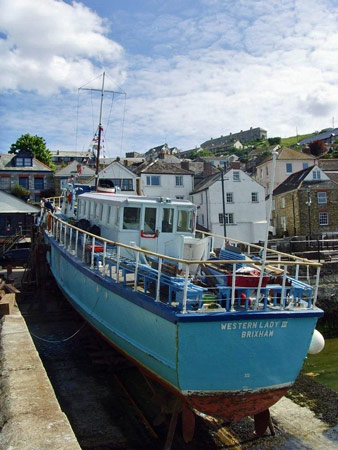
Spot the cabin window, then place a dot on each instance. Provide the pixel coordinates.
(108, 214)
(184, 221)
(167, 220)
(131, 218)
(100, 212)
(150, 220)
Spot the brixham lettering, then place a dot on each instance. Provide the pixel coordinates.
(257, 329)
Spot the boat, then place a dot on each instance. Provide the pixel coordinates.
(225, 331)
(227, 348)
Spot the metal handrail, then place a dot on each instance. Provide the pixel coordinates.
(59, 229)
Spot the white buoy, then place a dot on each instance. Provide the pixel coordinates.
(317, 343)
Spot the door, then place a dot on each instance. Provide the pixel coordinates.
(149, 230)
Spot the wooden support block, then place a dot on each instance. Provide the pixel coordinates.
(7, 304)
(11, 289)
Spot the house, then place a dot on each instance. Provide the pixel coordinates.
(256, 156)
(330, 167)
(220, 162)
(233, 139)
(22, 169)
(306, 204)
(74, 170)
(60, 157)
(164, 179)
(120, 176)
(243, 202)
(288, 161)
(163, 149)
(328, 136)
(15, 215)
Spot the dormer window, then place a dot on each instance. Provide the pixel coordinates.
(316, 174)
(23, 161)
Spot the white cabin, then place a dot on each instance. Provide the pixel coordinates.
(157, 224)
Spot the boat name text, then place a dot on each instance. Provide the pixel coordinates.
(258, 329)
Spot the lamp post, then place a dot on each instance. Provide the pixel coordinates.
(308, 203)
(223, 203)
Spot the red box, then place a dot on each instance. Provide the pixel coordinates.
(248, 280)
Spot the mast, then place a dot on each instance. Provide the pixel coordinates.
(100, 123)
(99, 136)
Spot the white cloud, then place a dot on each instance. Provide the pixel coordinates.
(50, 45)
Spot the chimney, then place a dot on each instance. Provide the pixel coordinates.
(235, 165)
(125, 162)
(185, 165)
(207, 169)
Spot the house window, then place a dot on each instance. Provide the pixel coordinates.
(5, 182)
(235, 175)
(24, 182)
(131, 218)
(179, 180)
(322, 198)
(179, 197)
(254, 197)
(267, 170)
(220, 218)
(23, 162)
(229, 218)
(127, 184)
(201, 198)
(229, 197)
(323, 218)
(288, 168)
(153, 180)
(38, 183)
(316, 174)
(305, 165)
(283, 223)
(282, 202)
(202, 219)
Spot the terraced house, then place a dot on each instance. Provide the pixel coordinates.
(25, 171)
(306, 204)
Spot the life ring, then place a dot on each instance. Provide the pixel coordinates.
(149, 235)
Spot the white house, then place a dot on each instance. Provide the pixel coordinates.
(120, 175)
(288, 161)
(163, 179)
(244, 203)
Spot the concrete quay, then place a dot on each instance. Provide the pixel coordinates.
(30, 415)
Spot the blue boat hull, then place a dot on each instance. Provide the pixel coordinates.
(224, 364)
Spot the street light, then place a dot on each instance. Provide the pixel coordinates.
(308, 203)
(223, 202)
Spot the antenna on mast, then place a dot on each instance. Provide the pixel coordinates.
(100, 123)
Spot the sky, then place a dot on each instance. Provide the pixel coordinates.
(177, 72)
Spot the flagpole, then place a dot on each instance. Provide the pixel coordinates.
(99, 136)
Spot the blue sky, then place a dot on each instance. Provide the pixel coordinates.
(191, 70)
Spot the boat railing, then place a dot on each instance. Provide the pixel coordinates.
(216, 286)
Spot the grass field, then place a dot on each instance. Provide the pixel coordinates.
(324, 366)
(292, 140)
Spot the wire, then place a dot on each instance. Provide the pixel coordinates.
(123, 119)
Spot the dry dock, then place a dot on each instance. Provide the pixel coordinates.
(65, 388)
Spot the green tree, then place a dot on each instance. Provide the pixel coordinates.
(35, 145)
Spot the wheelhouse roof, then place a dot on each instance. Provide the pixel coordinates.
(121, 199)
